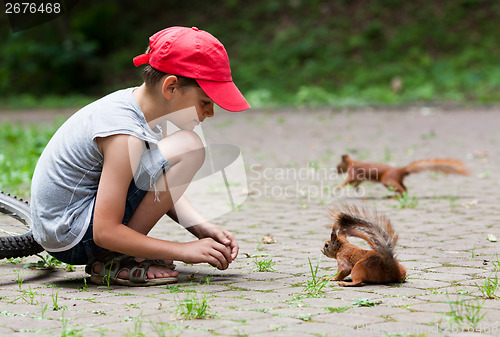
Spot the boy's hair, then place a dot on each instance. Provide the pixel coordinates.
(152, 76)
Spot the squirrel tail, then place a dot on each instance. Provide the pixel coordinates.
(442, 165)
(374, 228)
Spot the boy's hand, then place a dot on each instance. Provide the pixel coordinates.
(210, 230)
(207, 250)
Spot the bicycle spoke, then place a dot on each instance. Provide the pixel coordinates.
(8, 232)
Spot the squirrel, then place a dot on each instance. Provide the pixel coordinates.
(365, 266)
(392, 177)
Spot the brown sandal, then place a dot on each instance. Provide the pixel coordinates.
(113, 263)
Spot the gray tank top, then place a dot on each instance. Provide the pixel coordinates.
(66, 177)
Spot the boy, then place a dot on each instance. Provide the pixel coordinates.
(109, 174)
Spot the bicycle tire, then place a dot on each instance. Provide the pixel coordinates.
(23, 244)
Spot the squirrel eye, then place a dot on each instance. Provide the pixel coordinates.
(326, 245)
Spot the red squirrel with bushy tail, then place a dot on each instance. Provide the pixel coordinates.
(392, 177)
(365, 266)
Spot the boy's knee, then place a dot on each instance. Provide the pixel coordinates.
(191, 141)
(187, 144)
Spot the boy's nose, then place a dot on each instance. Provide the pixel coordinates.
(209, 112)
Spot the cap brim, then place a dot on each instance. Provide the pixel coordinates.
(225, 94)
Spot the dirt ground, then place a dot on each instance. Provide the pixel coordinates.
(289, 158)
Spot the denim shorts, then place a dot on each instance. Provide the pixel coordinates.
(152, 165)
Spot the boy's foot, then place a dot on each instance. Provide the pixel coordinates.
(115, 268)
(159, 270)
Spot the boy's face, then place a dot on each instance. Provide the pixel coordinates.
(191, 106)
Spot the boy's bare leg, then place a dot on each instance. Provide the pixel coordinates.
(184, 150)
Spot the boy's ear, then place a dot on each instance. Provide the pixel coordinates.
(168, 86)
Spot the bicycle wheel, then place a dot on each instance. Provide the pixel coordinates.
(16, 238)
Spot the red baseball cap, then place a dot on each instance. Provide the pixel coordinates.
(194, 53)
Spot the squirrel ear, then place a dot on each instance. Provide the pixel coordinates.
(333, 237)
(345, 157)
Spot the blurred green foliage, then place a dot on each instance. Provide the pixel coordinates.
(20, 148)
(323, 52)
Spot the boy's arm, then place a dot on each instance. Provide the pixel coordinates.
(186, 215)
(110, 233)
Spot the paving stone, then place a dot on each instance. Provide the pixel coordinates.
(463, 269)
(400, 301)
(444, 277)
(425, 284)
(402, 328)
(260, 326)
(382, 310)
(324, 302)
(418, 265)
(302, 313)
(243, 315)
(431, 307)
(351, 295)
(400, 291)
(353, 321)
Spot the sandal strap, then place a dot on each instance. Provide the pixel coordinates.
(136, 270)
(112, 263)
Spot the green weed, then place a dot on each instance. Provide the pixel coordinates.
(337, 309)
(465, 312)
(364, 302)
(161, 328)
(127, 293)
(453, 202)
(193, 307)
(496, 263)
(85, 285)
(137, 332)
(19, 280)
(404, 201)
(473, 253)
(55, 298)
(49, 262)
(44, 308)
(67, 331)
(16, 260)
(179, 289)
(490, 286)
(31, 296)
(208, 279)
(264, 265)
(314, 286)
(107, 277)
(26, 295)
(429, 135)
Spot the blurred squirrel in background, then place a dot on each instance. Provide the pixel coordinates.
(392, 177)
(365, 266)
